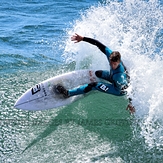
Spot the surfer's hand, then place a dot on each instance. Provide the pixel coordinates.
(76, 38)
(131, 108)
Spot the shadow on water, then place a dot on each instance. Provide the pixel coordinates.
(109, 121)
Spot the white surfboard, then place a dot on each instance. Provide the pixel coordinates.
(44, 96)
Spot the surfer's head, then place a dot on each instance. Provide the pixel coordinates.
(115, 59)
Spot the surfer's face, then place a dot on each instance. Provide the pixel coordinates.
(114, 65)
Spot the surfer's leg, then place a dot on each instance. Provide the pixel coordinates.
(103, 74)
(102, 87)
(76, 91)
(82, 89)
(60, 89)
(108, 88)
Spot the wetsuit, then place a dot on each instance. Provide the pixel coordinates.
(118, 78)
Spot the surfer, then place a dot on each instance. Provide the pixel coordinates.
(118, 77)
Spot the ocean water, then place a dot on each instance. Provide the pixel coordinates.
(35, 45)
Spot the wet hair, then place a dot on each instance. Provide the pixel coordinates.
(115, 56)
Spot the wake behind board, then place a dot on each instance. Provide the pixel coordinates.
(44, 96)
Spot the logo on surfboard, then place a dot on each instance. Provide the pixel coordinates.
(36, 89)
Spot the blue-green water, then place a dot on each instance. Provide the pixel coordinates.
(35, 45)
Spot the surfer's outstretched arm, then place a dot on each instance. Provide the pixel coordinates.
(77, 38)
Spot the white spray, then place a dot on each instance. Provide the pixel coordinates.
(134, 28)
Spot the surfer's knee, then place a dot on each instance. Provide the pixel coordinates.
(89, 87)
(98, 73)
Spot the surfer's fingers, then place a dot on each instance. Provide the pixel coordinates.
(127, 108)
(78, 37)
(77, 34)
(130, 108)
(73, 38)
(76, 40)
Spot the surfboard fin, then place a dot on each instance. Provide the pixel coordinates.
(60, 89)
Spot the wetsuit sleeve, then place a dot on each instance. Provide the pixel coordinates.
(120, 80)
(108, 52)
(101, 46)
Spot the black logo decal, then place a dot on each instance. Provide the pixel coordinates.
(35, 89)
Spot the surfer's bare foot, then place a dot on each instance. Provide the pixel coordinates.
(131, 108)
(62, 90)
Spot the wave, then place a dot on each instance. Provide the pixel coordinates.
(135, 29)
(96, 128)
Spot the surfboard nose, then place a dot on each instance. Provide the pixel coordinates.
(17, 104)
(21, 101)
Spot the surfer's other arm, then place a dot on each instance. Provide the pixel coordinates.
(77, 38)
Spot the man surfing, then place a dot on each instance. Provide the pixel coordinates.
(118, 77)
